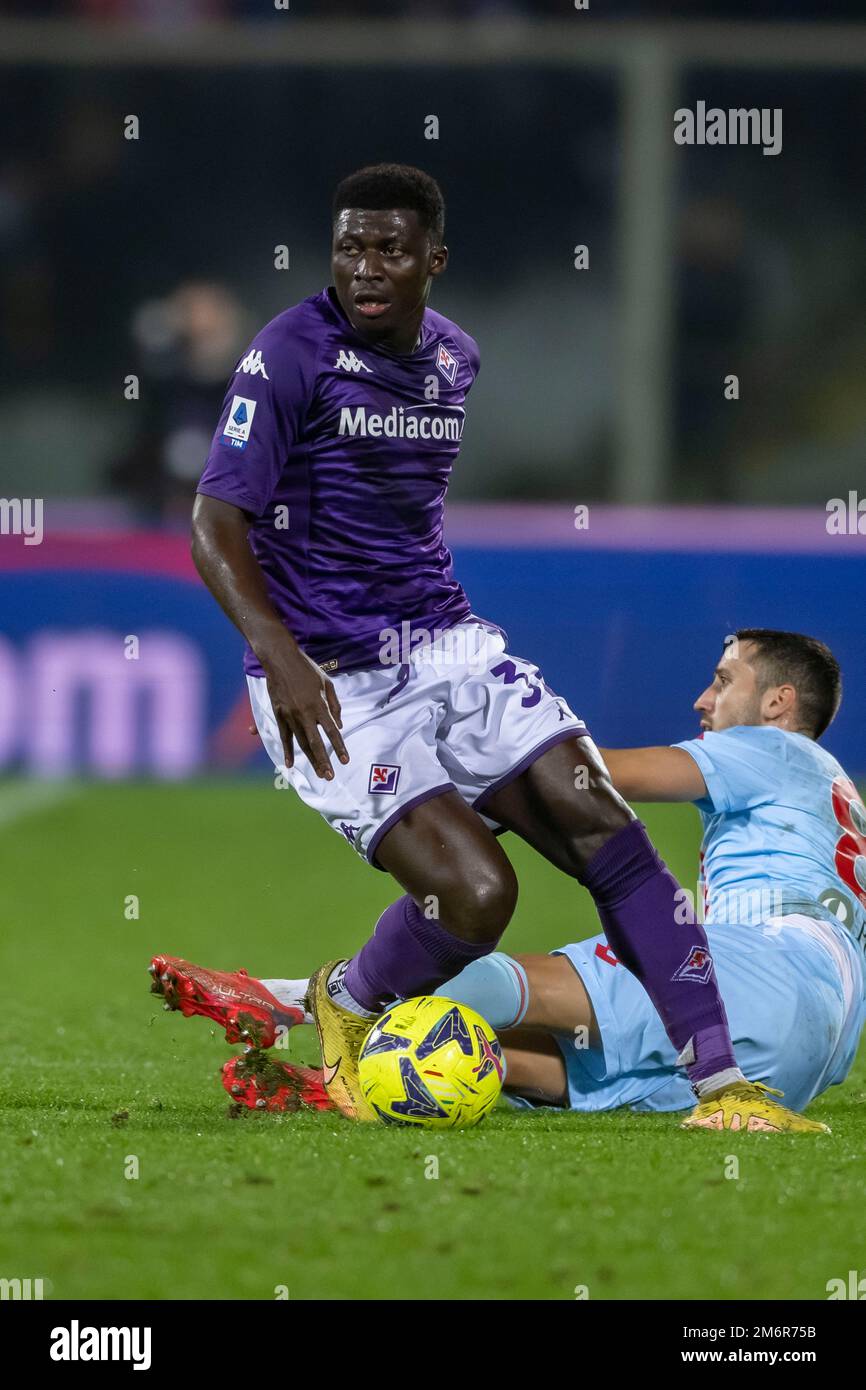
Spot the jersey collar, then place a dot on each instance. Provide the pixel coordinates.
(329, 295)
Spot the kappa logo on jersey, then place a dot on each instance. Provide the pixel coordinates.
(253, 363)
(446, 364)
(698, 965)
(348, 362)
(383, 778)
(239, 422)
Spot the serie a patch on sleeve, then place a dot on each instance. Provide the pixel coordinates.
(239, 422)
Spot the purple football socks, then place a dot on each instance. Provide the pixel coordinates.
(640, 905)
(408, 954)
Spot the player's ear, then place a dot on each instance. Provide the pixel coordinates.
(438, 259)
(779, 700)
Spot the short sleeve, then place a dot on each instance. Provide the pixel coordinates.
(742, 767)
(262, 419)
(474, 355)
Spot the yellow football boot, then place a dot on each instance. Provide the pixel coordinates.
(341, 1034)
(747, 1105)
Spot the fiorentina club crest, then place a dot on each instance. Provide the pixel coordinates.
(383, 778)
(698, 965)
(446, 364)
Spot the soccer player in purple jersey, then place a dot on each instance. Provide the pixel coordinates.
(392, 708)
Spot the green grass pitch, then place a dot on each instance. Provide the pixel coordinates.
(97, 1082)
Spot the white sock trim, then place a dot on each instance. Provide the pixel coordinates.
(290, 993)
(338, 993)
(717, 1082)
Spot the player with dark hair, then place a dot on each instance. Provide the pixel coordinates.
(387, 186)
(783, 866)
(790, 660)
(391, 707)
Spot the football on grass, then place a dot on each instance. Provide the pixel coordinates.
(431, 1062)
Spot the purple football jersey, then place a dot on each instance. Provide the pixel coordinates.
(341, 452)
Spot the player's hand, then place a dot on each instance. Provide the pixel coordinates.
(304, 701)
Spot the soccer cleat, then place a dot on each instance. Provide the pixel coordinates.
(241, 1005)
(259, 1082)
(747, 1105)
(341, 1034)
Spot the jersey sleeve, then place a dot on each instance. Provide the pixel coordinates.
(473, 354)
(742, 767)
(262, 418)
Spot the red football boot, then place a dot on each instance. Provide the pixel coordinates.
(248, 1012)
(259, 1082)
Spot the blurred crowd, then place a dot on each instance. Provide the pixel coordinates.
(155, 259)
(186, 347)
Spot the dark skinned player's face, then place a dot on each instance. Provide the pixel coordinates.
(383, 264)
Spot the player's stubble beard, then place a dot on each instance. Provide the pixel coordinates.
(745, 712)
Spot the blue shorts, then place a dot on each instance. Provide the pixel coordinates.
(793, 990)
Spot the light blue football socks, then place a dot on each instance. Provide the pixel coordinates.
(495, 986)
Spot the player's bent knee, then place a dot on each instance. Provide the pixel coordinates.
(479, 906)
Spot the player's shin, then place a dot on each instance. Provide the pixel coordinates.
(495, 987)
(650, 928)
(407, 955)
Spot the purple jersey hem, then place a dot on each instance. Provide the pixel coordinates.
(573, 731)
(361, 656)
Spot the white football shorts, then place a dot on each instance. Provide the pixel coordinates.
(460, 715)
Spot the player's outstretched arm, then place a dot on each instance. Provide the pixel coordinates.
(303, 698)
(654, 774)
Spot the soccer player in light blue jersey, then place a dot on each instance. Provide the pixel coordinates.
(782, 893)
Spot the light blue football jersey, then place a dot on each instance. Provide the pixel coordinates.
(784, 830)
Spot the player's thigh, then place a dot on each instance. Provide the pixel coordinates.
(450, 863)
(534, 1067)
(564, 804)
(395, 805)
(389, 728)
(558, 999)
(786, 1004)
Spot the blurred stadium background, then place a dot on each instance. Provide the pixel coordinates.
(601, 387)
